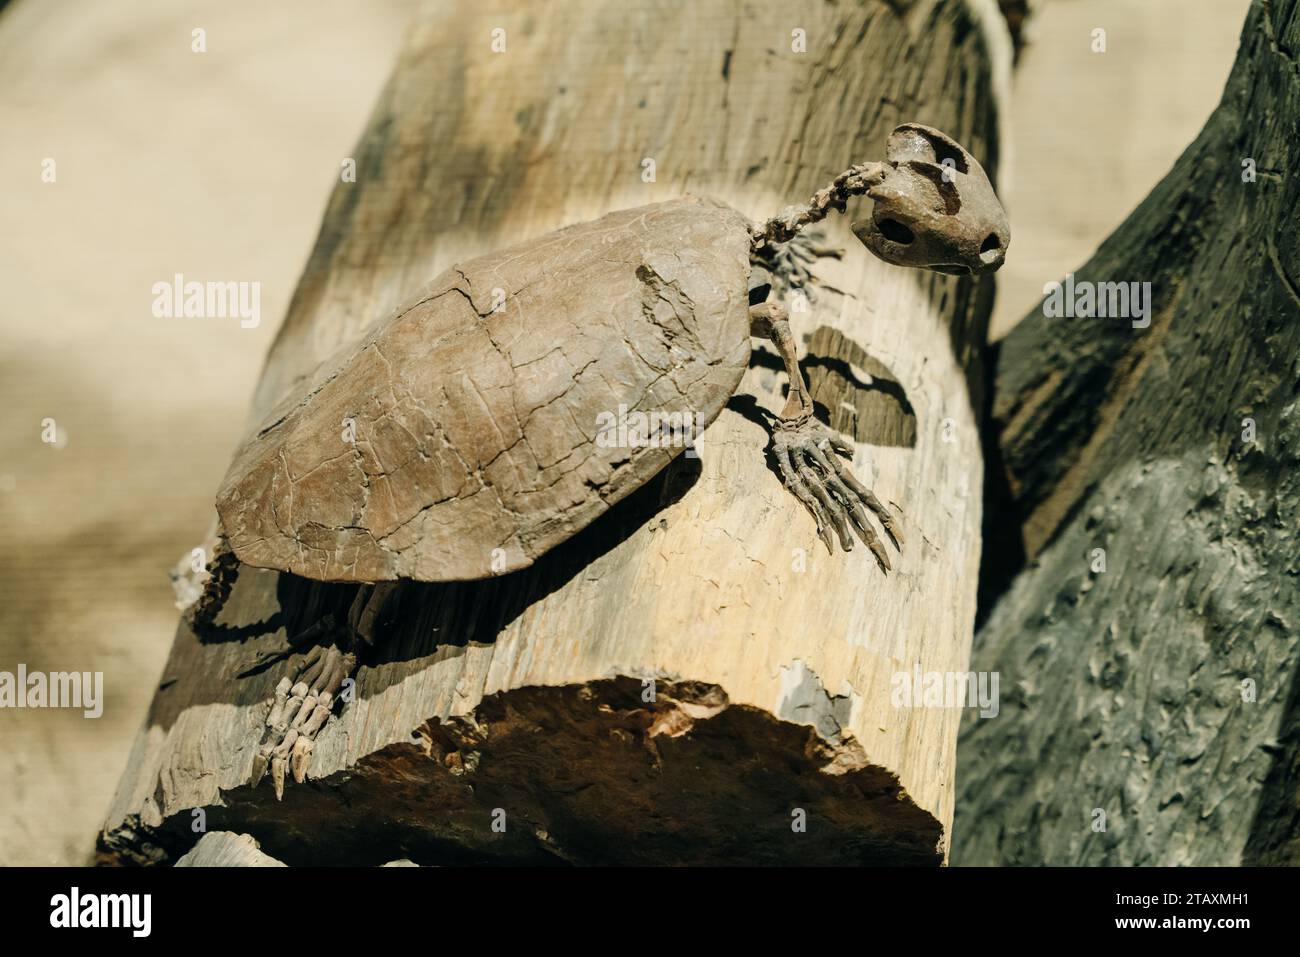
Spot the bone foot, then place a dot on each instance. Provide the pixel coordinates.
(807, 457)
(298, 712)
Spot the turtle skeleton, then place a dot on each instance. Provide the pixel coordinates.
(474, 402)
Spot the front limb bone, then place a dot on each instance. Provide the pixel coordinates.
(808, 454)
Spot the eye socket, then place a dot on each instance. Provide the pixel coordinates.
(939, 144)
(896, 232)
(949, 152)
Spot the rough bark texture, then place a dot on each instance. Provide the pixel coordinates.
(772, 660)
(1163, 690)
(458, 439)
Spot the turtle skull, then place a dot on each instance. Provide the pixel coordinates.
(934, 207)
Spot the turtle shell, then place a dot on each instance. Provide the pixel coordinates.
(494, 414)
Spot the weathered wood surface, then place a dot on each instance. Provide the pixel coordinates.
(1125, 690)
(773, 660)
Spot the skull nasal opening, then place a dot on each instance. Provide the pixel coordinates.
(991, 249)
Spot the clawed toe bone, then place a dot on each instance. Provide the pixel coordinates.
(807, 457)
(299, 758)
(278, 765)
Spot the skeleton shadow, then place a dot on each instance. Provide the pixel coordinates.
(873, 410)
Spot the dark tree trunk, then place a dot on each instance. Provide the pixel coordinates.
(1161, 691)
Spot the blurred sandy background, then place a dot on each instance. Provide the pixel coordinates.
(218, 165)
